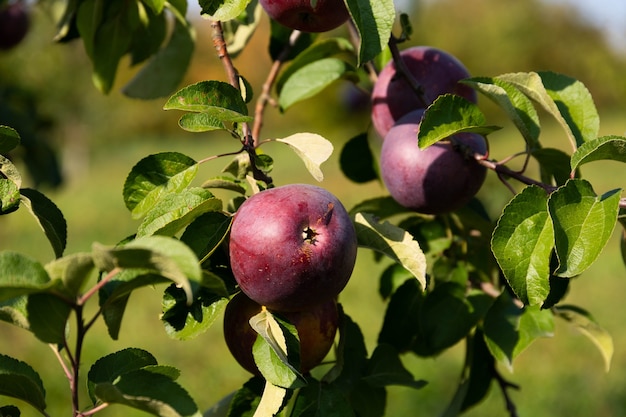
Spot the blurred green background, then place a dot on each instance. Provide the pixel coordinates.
(99, 138)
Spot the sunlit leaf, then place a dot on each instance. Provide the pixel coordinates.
(222, 10)
(313, 149)
(522, 243)
(583, 223)
(450, 114)
(374, 21)
(587, 325)
(271, 400)
(534, 323)
(9, 196)
(19, 380)
(73, 270)
(603, 148)
(206, 96)
(393, 242)
(154, 177)
(10, 171)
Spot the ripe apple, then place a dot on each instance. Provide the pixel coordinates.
(14, 24)
(307, 15)
(316, 329)
(434, 180)
(292, 247)
(436, 71)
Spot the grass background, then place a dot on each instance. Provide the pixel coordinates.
(559, 376)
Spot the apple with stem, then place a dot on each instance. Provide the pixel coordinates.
(435, 180)
(292, 247)
(316, 328)
(307, 15)
(435, 71)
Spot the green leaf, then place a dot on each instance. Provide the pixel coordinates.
(554, 165)
(9, 411)
(210, 120)
(47, 317)
(313, 149)
(159, 255)
(357, 161)
(277, 351)
(10, 171)
(500, 328)
(9, 196)
(49, 218)
(164, 72)
(9, 139)
(73, 270)
(534, 323)
(13, 311)
(481, 371)
(587, 325)
(564, 98)
(155, 5)
(206, 233)
(515, 105)
(393, 242)
(154, 177)
(385, 368)
(175, 211)
(374, 21)
(318, 399)
(185, 322)
(271, 401)
(583, 224)
(522, 243)
(401, 323)
(149, 35)
(20, 275)
(222, 10)
(312, 79)
(450, 114)
(319, 50)
(237, 32)
(381, 207)
(209, 96)
(603, 148)
(148, 391)
(19, 380)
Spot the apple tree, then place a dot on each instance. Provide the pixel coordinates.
(271, 262)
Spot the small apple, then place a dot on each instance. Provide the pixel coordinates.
(292, 247)
(14, 24)
(307, 15)
(436, 71)
(434, 180)
(316, 330)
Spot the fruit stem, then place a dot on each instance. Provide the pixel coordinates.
(404, 71)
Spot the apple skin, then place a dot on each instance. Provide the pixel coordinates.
(292, 247)
(435, 180)
(316, 329)
(300, 15)
(14, 25)
(435, 70)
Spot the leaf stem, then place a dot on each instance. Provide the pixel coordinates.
(86, 296)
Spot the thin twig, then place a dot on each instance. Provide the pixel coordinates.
(402, 69)
(504, 388)
(66, 370)
(83, 299)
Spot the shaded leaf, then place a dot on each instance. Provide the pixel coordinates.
(522, 243)
(9, 139)
(385, 368)
(603, 148)
(357, 161)
(500, 329)
(206, 233)
(553, 164)
(19, 380)
(47, 317)
(393, 242)
(401, 322)
(9, 411)
(319, 399)
(381, 207)
(49, 218)
(73, 270)
(21, 275)
(450, 114)
(13, 311)
(583, 224)
(313, 149)
(155, 176)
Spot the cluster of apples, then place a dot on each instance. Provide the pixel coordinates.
(292, 250)
(440, 178)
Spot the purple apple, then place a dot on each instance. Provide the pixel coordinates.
(434, 180)
(436, 71)
(14, 24)
(316, 330)
(292, 247)
(307, 15)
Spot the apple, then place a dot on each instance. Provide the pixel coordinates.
(316, 330)
(292, 247)
(436, 71)
(14, 24)
(434, 180)
(307, 15)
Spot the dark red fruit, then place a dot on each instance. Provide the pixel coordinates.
(302, 15)
(14, 24)
(292, 247)
(435, 180)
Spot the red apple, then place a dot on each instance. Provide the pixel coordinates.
(14, 24)
(292, 247)
(307, 15)
(436, 71)
(316, 330)
(435, 180)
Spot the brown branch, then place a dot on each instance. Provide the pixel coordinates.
(402, 69)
